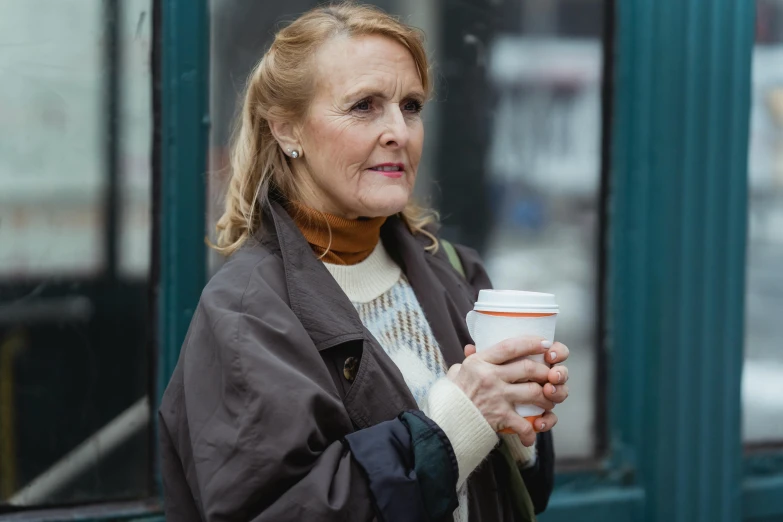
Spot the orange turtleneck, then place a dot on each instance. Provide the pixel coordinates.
(352, 240)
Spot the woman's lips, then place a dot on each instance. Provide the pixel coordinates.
(394, 174)
(390, 170)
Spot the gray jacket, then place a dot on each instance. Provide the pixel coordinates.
(265, 420)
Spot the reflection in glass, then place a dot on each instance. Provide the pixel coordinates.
(74, 130)
(543, 178)
(51, 144)
(135, 139)
(762, 380)
(511, 156)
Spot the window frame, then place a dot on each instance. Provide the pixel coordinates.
(180, 80)
(663, 152)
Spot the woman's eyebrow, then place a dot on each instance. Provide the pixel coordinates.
(363, 93)
(375, 93)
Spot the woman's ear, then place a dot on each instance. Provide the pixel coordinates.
(286, 136)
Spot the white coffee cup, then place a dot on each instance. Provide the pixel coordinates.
(503, 314)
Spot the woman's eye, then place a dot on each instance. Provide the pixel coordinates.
(362, 106)
(413, 106)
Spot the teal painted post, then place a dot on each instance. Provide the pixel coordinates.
(678, 219)
(185, 129)
(184, 78)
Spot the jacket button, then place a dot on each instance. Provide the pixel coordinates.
(350, 368)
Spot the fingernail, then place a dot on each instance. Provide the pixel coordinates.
(546, 344)
(559, 377)
(552, 356)
(554, 388)
(543, 426)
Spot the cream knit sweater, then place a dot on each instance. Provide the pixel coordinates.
(389, 309)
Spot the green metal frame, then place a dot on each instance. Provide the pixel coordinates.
(762, 487)
(185, 134)
(678, 250)
(185, 122)
(183, 83)
(678, 210)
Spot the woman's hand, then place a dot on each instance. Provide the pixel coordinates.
(500, 377)
(557, 391)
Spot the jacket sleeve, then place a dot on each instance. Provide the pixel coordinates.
(539, 479)
(268, 439)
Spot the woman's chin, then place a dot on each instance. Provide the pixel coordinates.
(387, 201)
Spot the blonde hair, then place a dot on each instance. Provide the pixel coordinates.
(280, 88)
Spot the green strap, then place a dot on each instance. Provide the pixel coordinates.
(519, 494)
(454, 259)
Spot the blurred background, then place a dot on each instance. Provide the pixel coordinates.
(513, 161)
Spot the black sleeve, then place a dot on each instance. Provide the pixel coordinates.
(410, 467)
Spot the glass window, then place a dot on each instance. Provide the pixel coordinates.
(762, 380)
(135, 139)
(512, 150)
(74, 249)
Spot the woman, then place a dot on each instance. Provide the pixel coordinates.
(323, 376)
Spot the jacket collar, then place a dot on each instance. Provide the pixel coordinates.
(315, 297)
(327, 313)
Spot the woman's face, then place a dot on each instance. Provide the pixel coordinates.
(363, 135)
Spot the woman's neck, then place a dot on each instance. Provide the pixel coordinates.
(335, 239)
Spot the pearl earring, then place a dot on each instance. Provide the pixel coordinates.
(295, 154)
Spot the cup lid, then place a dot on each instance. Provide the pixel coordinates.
(516, 301)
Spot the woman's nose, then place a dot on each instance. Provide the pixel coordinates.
(395, 133)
